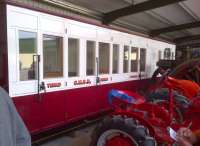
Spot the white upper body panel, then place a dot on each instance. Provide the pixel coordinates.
(41, 24)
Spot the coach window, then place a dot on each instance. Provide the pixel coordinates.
(142, 59)
(73, 57)
(90, 57)
(104, 57)
(159, 55)
(134, 59)
(173, 56)
(126, 59)
(52, 56)
(115, 59)
(27, 49)
(167, 53)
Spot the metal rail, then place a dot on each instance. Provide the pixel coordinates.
(60, 133)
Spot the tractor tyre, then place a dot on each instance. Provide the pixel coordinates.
(121, 131)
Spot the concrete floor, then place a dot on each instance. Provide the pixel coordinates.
(80, 137)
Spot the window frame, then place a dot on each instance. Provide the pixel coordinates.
(118, 60)
(109, 59)
(159, 55)
(167, 51)
(137, 59)
(95, 52)
(54, 74)
(145, 60)
(17, 30)
(79, 47)
(128, 62)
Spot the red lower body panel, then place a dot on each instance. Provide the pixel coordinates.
(61, 107)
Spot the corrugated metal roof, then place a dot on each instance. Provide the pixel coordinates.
(174, 14)
(102, 6)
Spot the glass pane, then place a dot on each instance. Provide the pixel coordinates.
(90, 58)
(115, 58)
(134, 59)
(167, 53)
(104, 57)
(173, 56)
(73, 57)
(159, 54)
(142, 59)
(27, 48)
(52, 54)
(126, 59)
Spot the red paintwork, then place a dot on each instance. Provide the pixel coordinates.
(119, 141)
(62, 107)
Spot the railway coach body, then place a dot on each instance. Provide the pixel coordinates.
(60, 70)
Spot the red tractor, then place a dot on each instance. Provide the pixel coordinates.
(185, 78)
(137, 122)
(188, 70)
(145, 121)
(184, 90)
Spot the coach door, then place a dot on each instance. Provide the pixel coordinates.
(23, 62)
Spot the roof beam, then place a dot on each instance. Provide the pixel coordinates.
(133, 9)
(187, 38)
(189, 11)
(157, 32)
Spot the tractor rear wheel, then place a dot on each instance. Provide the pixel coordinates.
(121, 131)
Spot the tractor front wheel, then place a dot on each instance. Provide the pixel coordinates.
(120, 131)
